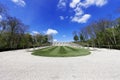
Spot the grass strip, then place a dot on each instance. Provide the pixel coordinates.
(61, 51)
(44, 51)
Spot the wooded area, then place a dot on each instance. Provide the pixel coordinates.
(103, 33)
(14, 33)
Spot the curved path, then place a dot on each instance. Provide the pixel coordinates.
(102, 64)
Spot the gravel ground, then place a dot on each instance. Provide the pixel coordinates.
(102, 64)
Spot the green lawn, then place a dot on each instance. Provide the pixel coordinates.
(61, 51)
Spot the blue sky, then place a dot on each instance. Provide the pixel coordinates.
(60, 17)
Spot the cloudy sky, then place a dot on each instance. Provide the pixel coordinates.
(60, 17)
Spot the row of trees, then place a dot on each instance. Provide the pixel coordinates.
(100, 33)
(13, 33)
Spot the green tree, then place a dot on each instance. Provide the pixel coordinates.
(82, 39)
(76, 38)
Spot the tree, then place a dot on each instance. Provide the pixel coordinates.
(3, 10)
(50, 39)
(76, 38)
(26, 41)
(15, 28)
(45, 39)
(101, 33)
(82, 39)
(13, 33)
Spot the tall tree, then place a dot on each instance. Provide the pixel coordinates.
(82, 39)
(15, 28)
(76, 38)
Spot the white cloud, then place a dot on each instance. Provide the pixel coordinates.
(55, 40)
(81, 19)
(62, 4)
(19, 2)
(78, 11)
(35, 32)
(51, 32)
(78, 5)
(74, 3)
(98, 3)
(61, 17)
(87, 3)
(1, 17)
(101, 2)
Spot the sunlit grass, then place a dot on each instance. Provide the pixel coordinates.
(61, 51)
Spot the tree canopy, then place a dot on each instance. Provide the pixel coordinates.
(14, 33)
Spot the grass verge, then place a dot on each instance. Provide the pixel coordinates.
(61, 51)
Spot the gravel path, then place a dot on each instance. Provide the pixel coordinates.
(102, 64)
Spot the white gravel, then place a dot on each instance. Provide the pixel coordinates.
(102, 64)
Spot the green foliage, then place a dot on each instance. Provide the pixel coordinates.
(82, 39)
(13, 34)
(102, 33)
(76, 38)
